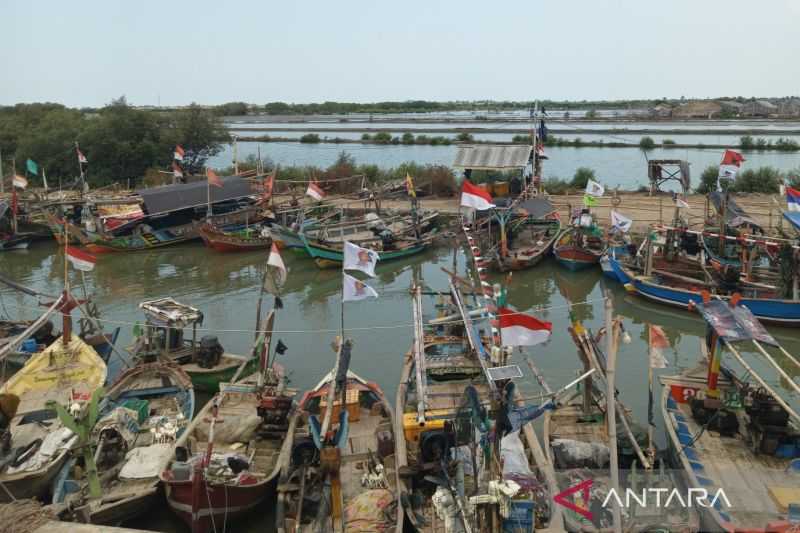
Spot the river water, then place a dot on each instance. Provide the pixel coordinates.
(225, 288)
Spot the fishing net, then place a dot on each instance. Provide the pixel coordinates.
(371, 511)
(23, 516)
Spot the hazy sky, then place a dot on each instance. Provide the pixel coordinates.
(85, 53)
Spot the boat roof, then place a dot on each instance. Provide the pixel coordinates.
(735, 216)
(169, 312)
(169, 198)
(329, 377)
(734, 323)
(535, 207)
(493, 156)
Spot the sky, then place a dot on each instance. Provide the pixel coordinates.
(174, 52)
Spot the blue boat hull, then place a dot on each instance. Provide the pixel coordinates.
(612, 269)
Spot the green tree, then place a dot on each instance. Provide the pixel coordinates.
(309, 138)
(591, 114)
(582, 177)
(762, 179)
(200, 132)
(408, 138)
(382, 137)
(465, 137)
(647, 144)
(746, 142)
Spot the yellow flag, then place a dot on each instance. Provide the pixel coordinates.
(412, 192)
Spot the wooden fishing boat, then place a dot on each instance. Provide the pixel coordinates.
(35, 442)
(227, 461)
(577, 431)
(442, 401)
(11, 238)
(246, 239)
(578, 248)
(340, 475)
(206, 362)
(527, 234)
(331, 255)
(731, 435)
(143, 413)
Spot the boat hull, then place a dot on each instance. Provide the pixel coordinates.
(208, 381)
(16, 242)
(575, 259)
(326, 257)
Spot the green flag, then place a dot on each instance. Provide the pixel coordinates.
(589, 201)
(33, 168)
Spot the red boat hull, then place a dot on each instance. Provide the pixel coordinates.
(227, 502)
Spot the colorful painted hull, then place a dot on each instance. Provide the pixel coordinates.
(286, 238)
(327, 257)
(233, 241)
(786, 312)
(15, 242)
(209, 380)
(613, 269)
(575, 258)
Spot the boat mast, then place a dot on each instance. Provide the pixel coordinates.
(419, 354)
(611, 413)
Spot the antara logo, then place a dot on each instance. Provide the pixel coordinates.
(647, 497)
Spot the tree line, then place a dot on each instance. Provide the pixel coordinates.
(120, 142)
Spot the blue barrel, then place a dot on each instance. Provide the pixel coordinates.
(29, 346)
(520, 517)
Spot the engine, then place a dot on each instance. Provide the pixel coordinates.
(768, 424)
(209, 353)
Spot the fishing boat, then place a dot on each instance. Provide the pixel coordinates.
(35, 443)
(580, 246)
(172, 214)
(244, 239)
(10, 236)
(340, 473)
(389, 248)
(732, 221)
(577, 432)
(735, 437)
(141, 416)
(206, 361)
(227, 461)
(527, 234)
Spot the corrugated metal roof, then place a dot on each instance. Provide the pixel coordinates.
(181, 196)
(493, 156)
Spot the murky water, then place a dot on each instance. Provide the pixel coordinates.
(225, 288)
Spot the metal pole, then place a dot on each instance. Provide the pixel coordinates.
(611, 412)
(2, 176)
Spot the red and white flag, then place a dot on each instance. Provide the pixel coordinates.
(658, 341)
(474, 196)
(315, 191)
(19, 182)
(518, 329)
(213, 179)
(178, 154)
(81, 158)
(81, 260)
(177, 171)
(731, 161)
(276, 263)
(269, 184)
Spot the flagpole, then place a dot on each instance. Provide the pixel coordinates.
(2, 179)
(66, 252)
(208, 195)
(80, 167)
(650, 449)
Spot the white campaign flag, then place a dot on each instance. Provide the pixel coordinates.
(682, 204)
(354, 290)
(620, 221)
(594, 189)
(358, 258)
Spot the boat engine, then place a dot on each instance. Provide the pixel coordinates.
(209, 353)
(768, 424)
(714, 416)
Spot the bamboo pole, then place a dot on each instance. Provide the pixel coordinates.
(774, 363)
(611, 413)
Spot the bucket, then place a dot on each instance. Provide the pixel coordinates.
(501, 188)
(520, 517)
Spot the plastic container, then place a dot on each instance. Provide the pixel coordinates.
(142, 408)
(520, 517)
(29, 346)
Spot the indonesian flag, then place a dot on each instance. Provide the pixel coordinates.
(315, 191)
(731, 161)
(19, 182)
(358, 258)
(178, 154)
(275, 262)
(80, 259)
(792, 199)
(540, 151)
(81, 158)
(518, 329)
(177, 171)
(658, 341)
(213, 179)
(354, 290)
(269, 184)
(474, 196)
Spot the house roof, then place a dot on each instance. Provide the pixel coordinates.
(493, 156)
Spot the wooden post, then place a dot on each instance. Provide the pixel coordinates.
(611, 412)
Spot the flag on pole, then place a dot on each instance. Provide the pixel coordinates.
(518, 329)
(474, 196)
(315, 191)
(32, 167)
(81, 260)
(658, 341)
(540, 151)
(594, 189)
(81, 158)
(792, 199)
(177, 171)
(267, 186)
(589, 201)
(19, 182)
(44, 179)
(178, 153)
(620, 221)
(275, 262)
(680, 203)
(213, 179)
(412, 191)
(354, 290)
(731, 161)
(358, 258)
